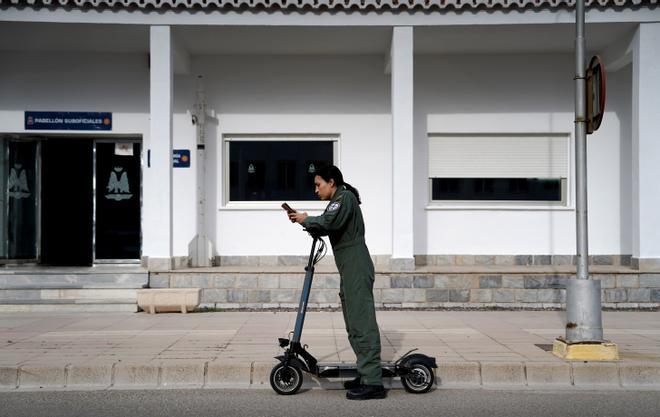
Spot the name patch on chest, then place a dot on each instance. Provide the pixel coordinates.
(334, 206)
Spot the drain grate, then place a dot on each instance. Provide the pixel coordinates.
(546, 347)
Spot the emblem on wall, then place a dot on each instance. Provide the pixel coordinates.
(17, 184)
(118, 185)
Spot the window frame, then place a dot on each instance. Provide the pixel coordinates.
(227, 139)
(565, 203)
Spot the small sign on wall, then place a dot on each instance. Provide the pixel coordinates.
(124, 148)
(181, 158)
(67, 120)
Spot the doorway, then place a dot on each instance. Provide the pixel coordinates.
(66, 202)
(70, 201)
(118, 190)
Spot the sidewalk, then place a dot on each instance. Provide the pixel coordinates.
(488, 349)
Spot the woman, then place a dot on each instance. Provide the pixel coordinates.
(342, 222)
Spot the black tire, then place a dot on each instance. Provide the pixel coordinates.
(419, 379)
(286, 380)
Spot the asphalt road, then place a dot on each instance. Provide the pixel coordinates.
(225, 403)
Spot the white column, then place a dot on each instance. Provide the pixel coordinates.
(158, 242)
(401, 58)
(646, 145)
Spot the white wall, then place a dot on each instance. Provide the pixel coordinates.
(347, 96)
(350, 96)
(610, 165)
(70, 81)
(520, 94)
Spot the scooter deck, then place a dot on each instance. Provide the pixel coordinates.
(347, 370)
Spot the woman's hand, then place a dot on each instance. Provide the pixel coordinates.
(297, 217)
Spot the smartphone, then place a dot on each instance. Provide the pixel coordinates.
(288, 208)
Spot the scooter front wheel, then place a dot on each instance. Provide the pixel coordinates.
(286, 379)
(419, 379)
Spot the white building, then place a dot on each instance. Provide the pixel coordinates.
(453, 119)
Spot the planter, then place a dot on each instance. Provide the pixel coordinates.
(160, 300)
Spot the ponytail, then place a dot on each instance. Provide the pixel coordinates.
(328, 172)
(354, 190)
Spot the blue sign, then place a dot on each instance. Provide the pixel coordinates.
(181, 158)
(67, 120)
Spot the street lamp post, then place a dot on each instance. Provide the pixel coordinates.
(583, 304)
(584, 328)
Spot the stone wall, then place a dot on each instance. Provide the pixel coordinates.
(412, 290)
(430, 260)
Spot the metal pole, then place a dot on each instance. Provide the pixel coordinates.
(583, 307)
(200, 248)
(581, 146)
(201, 157)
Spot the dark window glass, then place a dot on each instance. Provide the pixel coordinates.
(275, 170)
(505, 189)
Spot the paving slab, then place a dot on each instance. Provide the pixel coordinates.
(459, 374)
(89, 376)
(133, 375)
(642, 374)
(548, 374)
(8, 377)
(497, 374)
(228, 375)
(594, 374)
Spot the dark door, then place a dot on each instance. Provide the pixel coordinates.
(66, 202)
(19, 173)
(118, 201)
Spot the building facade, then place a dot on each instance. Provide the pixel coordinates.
(168, 133)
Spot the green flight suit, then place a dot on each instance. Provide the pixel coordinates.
(342, 222)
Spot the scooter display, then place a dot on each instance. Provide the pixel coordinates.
(286, 378)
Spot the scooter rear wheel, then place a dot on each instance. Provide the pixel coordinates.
(419, 379)
(286, 379)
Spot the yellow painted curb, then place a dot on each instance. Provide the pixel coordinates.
(604, 351)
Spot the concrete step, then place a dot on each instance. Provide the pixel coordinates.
(100, 288)
(61, 280)
(35, 294)
(68, 306)
(431, 269)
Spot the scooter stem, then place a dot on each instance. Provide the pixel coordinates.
(304, 296)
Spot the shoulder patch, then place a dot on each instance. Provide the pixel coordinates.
(334, 206)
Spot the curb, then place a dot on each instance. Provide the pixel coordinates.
(255, 375)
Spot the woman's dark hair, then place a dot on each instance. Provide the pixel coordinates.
(328, 172)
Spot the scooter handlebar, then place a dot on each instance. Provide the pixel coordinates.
(316, 234)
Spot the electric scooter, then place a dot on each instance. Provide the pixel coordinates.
(286, 378)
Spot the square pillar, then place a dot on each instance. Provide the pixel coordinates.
(401, 60)
(646, 146)
(157, 231)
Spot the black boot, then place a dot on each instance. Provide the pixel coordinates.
(367, 392)
(353, 383)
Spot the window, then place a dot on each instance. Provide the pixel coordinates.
(276, 168)
(498, 168)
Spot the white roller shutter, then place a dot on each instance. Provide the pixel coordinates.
(498, 156)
